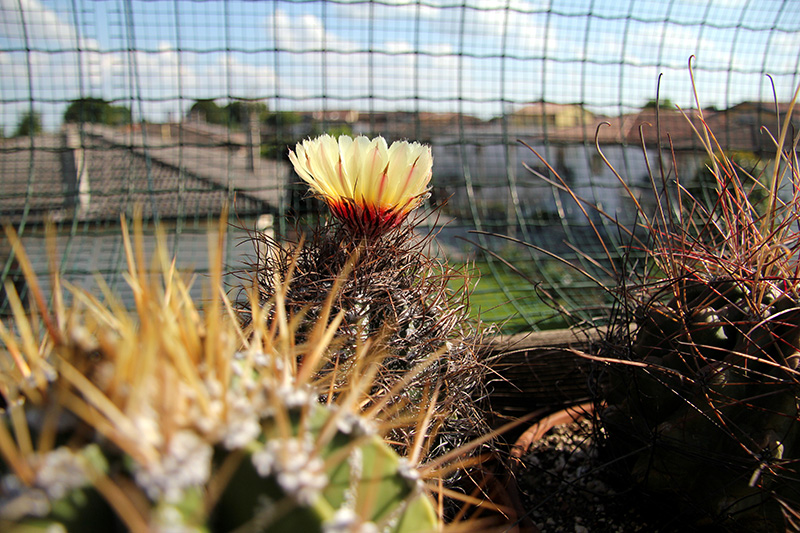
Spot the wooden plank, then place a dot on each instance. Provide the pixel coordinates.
(540, 370)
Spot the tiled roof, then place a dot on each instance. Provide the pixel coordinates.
(30, 173)
(733, 129)
(164, 176)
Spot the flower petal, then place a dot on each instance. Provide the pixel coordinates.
(369, 186)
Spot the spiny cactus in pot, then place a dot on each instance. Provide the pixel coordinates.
(703, 393)
(172, 419)
(389, 285)
(698, 396)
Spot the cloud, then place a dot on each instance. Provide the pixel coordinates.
(782, 56)
(437, 56)
(399, 9)
(397, 71)
(303, 33)
(36, 24)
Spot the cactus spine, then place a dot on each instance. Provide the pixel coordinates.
(170, 420)
(706, 408)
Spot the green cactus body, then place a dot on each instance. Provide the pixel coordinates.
(327, 474)
(63, 500)
(314, 468)
(354, 480)
(168, 421)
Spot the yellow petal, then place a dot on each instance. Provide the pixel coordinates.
(365, 177)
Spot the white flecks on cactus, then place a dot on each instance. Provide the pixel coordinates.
(345, 520)
(356, 462)
(293, 397)
(259, 359)
(351, 424)
(60, 471)
(18, 501)
(295, 466)
(208, 421)
(262, 360)
(405, 469)
(169, 519)
(213, 387)
(242, 423)
(82, 338)
(56, 528)
(148, 427)
(186, 463)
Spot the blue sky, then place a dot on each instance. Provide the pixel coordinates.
(474, 56)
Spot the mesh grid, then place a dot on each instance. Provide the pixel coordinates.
(468, 77)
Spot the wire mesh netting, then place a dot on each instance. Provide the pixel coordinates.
(181, 107)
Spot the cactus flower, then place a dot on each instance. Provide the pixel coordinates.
(369, 186)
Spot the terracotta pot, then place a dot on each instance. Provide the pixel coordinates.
(541, 427)
(522, 524)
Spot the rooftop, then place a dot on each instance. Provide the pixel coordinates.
(98, 172)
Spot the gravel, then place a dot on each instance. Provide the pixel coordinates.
(564, 486)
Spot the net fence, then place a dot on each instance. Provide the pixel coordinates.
(180, 107)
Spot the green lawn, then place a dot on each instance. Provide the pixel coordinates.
(506, 299)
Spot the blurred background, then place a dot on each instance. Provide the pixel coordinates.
(182, 107)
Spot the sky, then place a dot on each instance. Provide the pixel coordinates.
(481, 57)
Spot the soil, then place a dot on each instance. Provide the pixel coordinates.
(563, 489)
(564, 482)
(566, 486)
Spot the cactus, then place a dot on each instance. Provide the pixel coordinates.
(703, 403)
(169, 419)
(698, 399)
(326, 473)
(712, 415)
(382, 275)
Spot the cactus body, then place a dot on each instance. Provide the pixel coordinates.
(168, 420)
(712, 419)
(355, 480)
(325, 474)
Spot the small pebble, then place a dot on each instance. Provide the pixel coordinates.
(563, 487)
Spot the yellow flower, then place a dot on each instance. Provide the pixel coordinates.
(369, 186)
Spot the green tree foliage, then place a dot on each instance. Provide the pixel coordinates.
(233, 114)
(210, 111)
(749, 169)
(30, 123)
(96, 111)
(339, 129)
(239, 110)
(281, 119)
(666, 103)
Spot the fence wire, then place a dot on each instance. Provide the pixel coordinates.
(182, 106)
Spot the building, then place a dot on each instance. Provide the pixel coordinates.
(84, 179)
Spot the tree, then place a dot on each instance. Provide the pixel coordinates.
(282, 118)
(666, 103)
(339, 129)
(30, 123)
(96, 111)
(749, 169)
(210, 111)
(239, 111)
